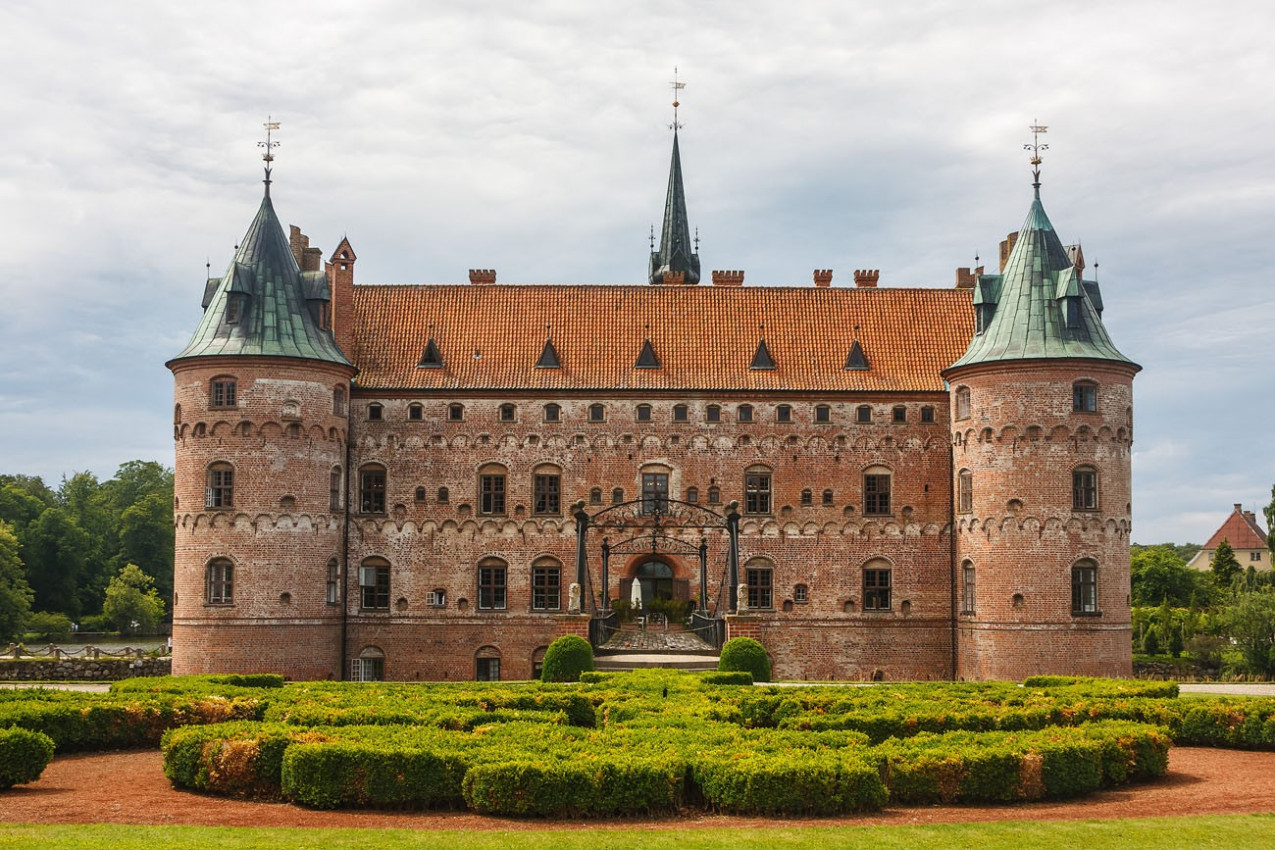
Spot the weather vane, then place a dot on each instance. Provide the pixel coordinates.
(268, 147)
(1036, 147)
(677, 87)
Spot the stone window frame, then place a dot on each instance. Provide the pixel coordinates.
(416, 412)
(1085, 495)
(759, 576)
(1084, 588)
(219, 486)
(492, 578)
(759, 490)
(823, 414)
(878, 586)
(223, 392)
(863, 414)
(375, 412)
(681, 413)
(373, 489)
(374, 584)
(493, 489)
(546, 585)
(713, 413)
(744, 414)
(219, 582)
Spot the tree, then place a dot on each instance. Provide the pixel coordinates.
(1270, 522)
(1159, 574)
(131, 603)
(55, 551)
(146, 538)
(15, 594)
(1250, 622)
(1225, 565)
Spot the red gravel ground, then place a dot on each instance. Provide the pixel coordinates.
(131, 788)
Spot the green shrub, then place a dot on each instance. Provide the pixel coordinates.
(566, 658)
(49, 626)
(348, 773)
(736, 677)
(603, 787)
(791, 784)
(746, 655)
(23, 756)
(234, 759)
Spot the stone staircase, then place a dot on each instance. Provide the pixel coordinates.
(635, 648)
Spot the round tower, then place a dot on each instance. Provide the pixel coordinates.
(1042, 407)
(260, 426)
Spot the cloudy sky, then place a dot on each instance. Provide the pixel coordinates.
(531, 137)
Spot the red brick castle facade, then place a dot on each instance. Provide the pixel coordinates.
(434, 481)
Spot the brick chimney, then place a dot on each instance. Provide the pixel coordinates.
(1006, 247)
(308, 259)
(866, 277)
(965, 278)
(728, 278)
(340, 269)
(823, 277)
(482, 276)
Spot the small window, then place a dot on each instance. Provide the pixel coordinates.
(546, 586)
(807, 498)
(374, 585)
(876, 589)
(965, 491)
(372, 489)
(757, 491)
(863, 414)
(899, 413)
(745, 413)
(800, 594)
(1084, 397)
(455, 412)
(714, 495)
(617, 495)
(220, 582)
(420, 495)
(597, 413)
(962, 403)
(681, 413)
(783, 413)
(692, 495)
(234, 308)
(827, 498)
(876, 492)
(491, 490)
(759, 578)
(415, 413)
(553, 413)
(595, 496)
(927, 415)
(369, 666)
(1084, 588)
(444, 495)
(644, 413)
(823, 414)
(222, 392)
(713, 413)
(332, 593)
(219, 491)
(1084, 489)
(491, 585)
(967, 587)
(508, 412)
(334, 489)
(375, 412)
(338, 401)
(546, 491)
(436, 598)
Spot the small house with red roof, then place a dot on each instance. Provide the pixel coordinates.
(1244, 535)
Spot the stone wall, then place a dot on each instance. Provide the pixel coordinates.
(81, 669)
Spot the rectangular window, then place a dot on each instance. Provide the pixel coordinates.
(372, 491)
(967, 589)
(221, 585)
(333, 594)
(760, 591)
(546, 589)
(491, 588)
(876, 495)
(1084, 590)
(965, 492)
(1084, 398)
(1084, 490)
(488, 670)
(221, 488)
(367, 669)
(927, 415)
(963, 403)
(899, 414)
(823, 414)
(713, 413)
(654, 492)
(681, 413)
(546, 491)
(374, 587)
(783, 413)
(1255, 556)
(757, 493)
(491, 494)
(223, 394)
(334, 490)
(876, 590)
(863, 414)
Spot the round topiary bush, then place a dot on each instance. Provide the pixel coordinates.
(747, 655)
(566, 658)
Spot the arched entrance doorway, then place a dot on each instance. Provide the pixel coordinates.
(655, 578)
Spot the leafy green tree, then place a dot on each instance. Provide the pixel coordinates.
(146, 538)
(1151, 641)
(15, 594)
(1176, 644)
(1250, 622)
(1269, 510)
(1225, 565)
(131, 605)
(55, 551)
(1159, 574)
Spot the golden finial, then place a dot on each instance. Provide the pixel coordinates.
(268, 147)
(1036, 147)
(677, 87)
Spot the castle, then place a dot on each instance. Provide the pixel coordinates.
(434, 481)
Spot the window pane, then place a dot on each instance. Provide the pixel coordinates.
(757, 493)
(876, 590)
(547, 494)
(759, 587)
(546, 589)
(492, 494)
(876, 494)
(372, 491)
(654, 492)
(491, 588)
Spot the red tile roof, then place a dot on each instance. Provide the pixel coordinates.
(1239, 531)
(490, 337)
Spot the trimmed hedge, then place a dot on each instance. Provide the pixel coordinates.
(349, 773)
(602, 787)
(23, 756)
(566, 659)
(734, 677)
(745, 655)
(827, 784)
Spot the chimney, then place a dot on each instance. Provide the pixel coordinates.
(340, 269)
(1251, 517)
(672, 278)
(299, 243)
(1006, 247)
(823, 277)
(311, 259)
(728, 278)
(866, 277)
(1239, 508)
(482, 276)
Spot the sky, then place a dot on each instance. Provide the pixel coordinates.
(533, 138)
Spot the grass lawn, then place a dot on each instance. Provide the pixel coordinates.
(1236, 832)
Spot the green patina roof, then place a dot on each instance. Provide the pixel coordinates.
(675, 253)
(275, 318)
(1030, 303)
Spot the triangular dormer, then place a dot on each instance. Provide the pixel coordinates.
(432, 358)
(762, 358)
(856, 360)
(549, 357)
(647, 359)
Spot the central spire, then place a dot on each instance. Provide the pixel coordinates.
(676, 261)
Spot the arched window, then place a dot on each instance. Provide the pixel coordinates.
(375, 412)
(877, 585)
(546, 490)
(369, 666)
(713, 413)
(508, 412)
(714, 495)
(745, 412)
(223, 391)
(444, 495)
(372, 489)
(492, 586)
(827, 498)
(692, 495)
(220, 582)
(420, 494)
(374, 585)
(807, 497)
(1084, 489)
(487, 664)
(962, 403)
(759, 575)
(898, 413)
(757, 490)
(553, 412)
(595, 496)
(967, 587)
(415, 412)
(597, 413)
(177, 414)
(876, 491)
(643, 413)
(1084, 587)
(455, 412)
(546, 585)
(965, 491)
(863, 414)
(783, 413)
(219, 490)
(617, 495)
(823, 414)
(338, 401)
(681, 413)
(491, 489)
(334, 489)
(332, 592)
(655, 490)
(1084, 397)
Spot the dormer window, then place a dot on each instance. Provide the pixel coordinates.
(234, 309)
(1071, 312)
